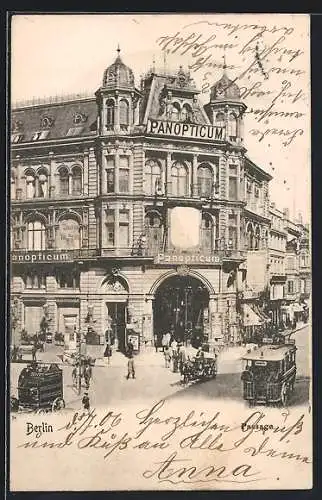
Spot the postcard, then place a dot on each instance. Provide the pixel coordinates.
(160, 260)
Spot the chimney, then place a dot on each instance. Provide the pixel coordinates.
(273, 205)
(300, 218)
(286, 213)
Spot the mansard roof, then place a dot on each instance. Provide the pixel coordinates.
(57, 120)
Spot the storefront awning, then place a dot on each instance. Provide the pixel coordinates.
(250, 317)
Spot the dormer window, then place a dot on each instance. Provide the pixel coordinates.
(73, 131)
(186, 113)
(15, 138)
(220, 119)
(40, 135)
(174, 114)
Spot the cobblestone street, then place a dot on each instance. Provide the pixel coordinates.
(154, 382)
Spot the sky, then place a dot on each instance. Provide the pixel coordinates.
(268, 55)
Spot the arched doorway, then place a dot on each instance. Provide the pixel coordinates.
(115, 302)
(181, 307)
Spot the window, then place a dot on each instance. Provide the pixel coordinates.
(186, 113)
(206, 232)
(124, 175)
(250, 237)
(110, 232)
(124, 229)
(290, 286)
(152, 176)
(175, 112)
(256, 191)
(67, 279)
(205, 181)
(13, 185)
(42, 184)
(40, 135)
(30, 185)
(257, 238)
(248, 186)
(220, 119)
(15, 138)
(36, 234)
(35, 280)
(154, 231)
(63, 181)
(109, 113)
(232, 185)
(110, 186)
(124, 113)
(73, 131)
(76, 181)
(179, 177)
(232, 232)
(232, 127)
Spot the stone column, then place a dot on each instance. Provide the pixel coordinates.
(117, 166)
(168, 173)
(195, 176)
(148, 321)
(86, 172)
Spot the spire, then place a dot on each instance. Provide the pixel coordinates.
(118, 50)
(225, 65)
(153, 64)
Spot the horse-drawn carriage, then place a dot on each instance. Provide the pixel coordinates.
(40, 387)
(200, 366)
(270, 373)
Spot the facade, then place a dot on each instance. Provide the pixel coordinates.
(138, 210)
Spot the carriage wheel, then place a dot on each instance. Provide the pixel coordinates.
(58, 404)
(284, 395)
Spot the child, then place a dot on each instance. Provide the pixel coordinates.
(85, 401)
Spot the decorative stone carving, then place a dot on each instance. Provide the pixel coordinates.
(183, 270)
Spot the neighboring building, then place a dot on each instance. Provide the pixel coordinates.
(277, 273)
(135, 209)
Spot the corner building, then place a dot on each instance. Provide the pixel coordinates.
(135, 208)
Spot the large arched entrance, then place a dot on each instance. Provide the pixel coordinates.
(181, 307)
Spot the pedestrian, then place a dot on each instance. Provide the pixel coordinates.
(74, 374)
(130, 347)
(34, 351)
(130, 365)
(87, 374)
(167, 357)
(200, 353)
(85, 401)
(164, 342)
(108, 353)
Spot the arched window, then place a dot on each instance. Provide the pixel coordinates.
(175, 112)
(36, 235)
(109, 112)
(124, 112)
(42, 183)
(220, 119)
(207, 226)
(232, 126)
(179, 177)
(186, 113)
(63, 181)
(154, 232)
(250, 237)
(257, 238)
(76, 181)
(68, 234)
(205, 181)
(30, 185)
(152, 176)
(13, 186)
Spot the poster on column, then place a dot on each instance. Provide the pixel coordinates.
(215, 390)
